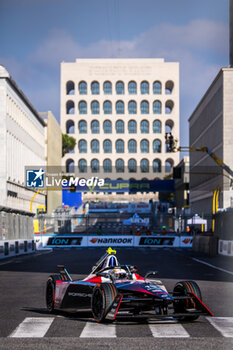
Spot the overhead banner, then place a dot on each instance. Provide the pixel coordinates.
(130, 186)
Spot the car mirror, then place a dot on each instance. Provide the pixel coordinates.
(150, 273)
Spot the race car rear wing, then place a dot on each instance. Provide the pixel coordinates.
(64, 273)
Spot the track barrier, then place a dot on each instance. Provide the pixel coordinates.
(13, 248)
(59, 241)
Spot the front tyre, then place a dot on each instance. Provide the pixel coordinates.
(182, 289)
(50, 292)
(102, 299)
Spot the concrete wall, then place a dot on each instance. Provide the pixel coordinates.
(205, 244)
(224, 225)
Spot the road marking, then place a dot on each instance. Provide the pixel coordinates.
(223, 324)
(98, 330)
(213, 266)
(32, 327)
(168, 330)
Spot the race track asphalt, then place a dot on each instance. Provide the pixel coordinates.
(23, 308)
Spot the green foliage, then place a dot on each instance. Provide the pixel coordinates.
(68, 143)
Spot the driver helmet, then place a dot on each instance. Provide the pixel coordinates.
(120, 274)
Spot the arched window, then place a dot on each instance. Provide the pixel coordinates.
(144, 146)
(132, 88)
(107, 88)
(95, 127)
(132, 127)
(82, 165)
(82, 146)
(95, 107)
(144, 165)
(82, 127)
(169, 87)
(157, 146)
(168, 165)
(107, 127)
(82, 88)
(120, 165)
(119, 146)
(120, 127)
(157, 88)
(144, 88)
(95, 88)
(132, 165)
(107, 166)
(157, 166)
(70, 88)
(95, 146)
(107, 107)
(132, 146)
(70, 166)
(169, 126)
(69, 107)
(95, 165)
(144, 107)
(157, 107)
(169, 106)
(82, 107)
(70, 127)
(132, 107)
(107, 145)
(120, 109)
(120, 88)
(144, 127)
(157, 127)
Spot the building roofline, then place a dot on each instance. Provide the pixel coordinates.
(23, 96)
(92, 59)
(209, 88)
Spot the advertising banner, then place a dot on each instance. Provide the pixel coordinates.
(156, 241)
(67, 241)
(106, 241)
(113, 241)
(186, 241)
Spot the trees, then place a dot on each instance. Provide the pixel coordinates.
(68, 143)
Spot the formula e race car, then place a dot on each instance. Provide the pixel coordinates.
(113, 290)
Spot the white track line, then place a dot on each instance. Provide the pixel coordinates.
(223, 324)
(32, 327)
(98, 330)
(168, 330)
(214, 267)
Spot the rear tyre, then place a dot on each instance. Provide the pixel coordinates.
(50, 292)
(102, 299)
(181, 289)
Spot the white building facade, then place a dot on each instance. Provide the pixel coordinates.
(22, 143)
(119, 110)
(211, 125)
